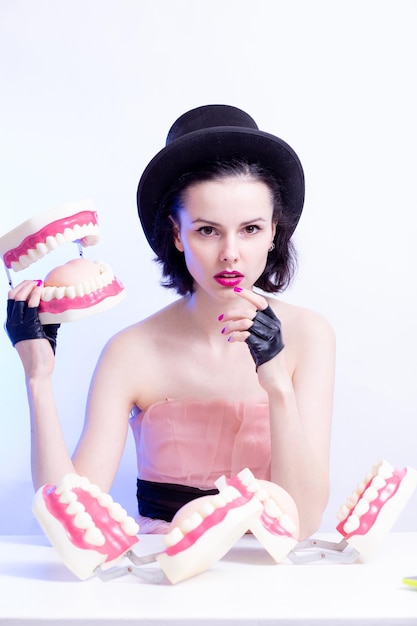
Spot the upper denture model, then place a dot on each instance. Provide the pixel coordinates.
(77, 288)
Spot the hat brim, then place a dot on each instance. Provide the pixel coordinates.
(195, 148)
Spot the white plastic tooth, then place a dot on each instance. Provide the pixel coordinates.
(287, 523)
(69, 235)
(262, 495)
(94, 490)
(272, 508)
(16, 266)
(60, 293)
(70, 292)
(86, 287)
(60, 239)
(105, 499)
(191, 522)
(245, 476)
(117, 512)
(206, 509)
(78, 231)
(48, 293)
(68, 483)
(343, 512)
(173, 537)
(362, 507)
(378, 482)
(42, 249)
(229, 493)
(79, 291)
(74, 508)
(129, 526)
(94, 536)
(33, 254)
(352, 499)
(24, 261)
(361, 486)
(385, 470)
(83, 520)
(370, 494)
(352, 524)
(217, 501)
(67, 497)
(51, 243)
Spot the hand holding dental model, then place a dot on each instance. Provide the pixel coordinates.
(71, 291)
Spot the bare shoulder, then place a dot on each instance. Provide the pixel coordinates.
(301, 324)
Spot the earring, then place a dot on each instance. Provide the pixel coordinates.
(272, 247)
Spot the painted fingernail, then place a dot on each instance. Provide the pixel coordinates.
(223, 330)
(220, 317)
(238, 289)
(38, 282)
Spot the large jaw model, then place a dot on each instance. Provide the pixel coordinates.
(90, 291)
(274, 529)
(85, 526)
(207, 534)
(92, 534)
(371, 510)
(366, 519)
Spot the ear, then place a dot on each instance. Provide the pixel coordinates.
(274, 230)
(176, 234)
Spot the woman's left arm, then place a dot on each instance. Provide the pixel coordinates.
(301, 404)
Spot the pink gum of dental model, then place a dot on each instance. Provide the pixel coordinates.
(84, 525)
(93, 287)
(371, 511)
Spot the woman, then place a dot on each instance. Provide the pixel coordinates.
(224, 377)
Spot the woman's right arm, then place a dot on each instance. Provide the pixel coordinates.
(105, 431)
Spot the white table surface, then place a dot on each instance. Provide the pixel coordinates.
(246, 586)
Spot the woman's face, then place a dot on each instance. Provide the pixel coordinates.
(225, 230)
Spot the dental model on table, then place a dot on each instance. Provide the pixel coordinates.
(76, 289)
(93, 535)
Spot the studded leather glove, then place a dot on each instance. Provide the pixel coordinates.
(265, 339)
(23, 323)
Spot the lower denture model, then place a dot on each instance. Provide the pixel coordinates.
(77, 288)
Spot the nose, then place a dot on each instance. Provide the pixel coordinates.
(229, 251)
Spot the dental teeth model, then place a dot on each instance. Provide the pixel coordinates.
(371, 510)
(84, 525)
(275, 529)
(203, 535)
(77, 288)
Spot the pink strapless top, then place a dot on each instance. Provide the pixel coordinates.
(193, 443)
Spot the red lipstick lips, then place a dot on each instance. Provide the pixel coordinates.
(228, 279)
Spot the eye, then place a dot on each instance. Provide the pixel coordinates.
(207, 231)
(251, 229)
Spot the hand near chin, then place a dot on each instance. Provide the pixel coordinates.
(255, 324)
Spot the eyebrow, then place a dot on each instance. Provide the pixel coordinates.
(246, 223)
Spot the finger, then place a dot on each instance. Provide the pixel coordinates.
(236, 326)
(28, 290)
(238, 336)
(256, 299)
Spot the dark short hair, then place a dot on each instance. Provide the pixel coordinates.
(281, 262)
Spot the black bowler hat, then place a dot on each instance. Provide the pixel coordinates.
(216, 132)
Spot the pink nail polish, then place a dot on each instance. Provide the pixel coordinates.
(220, 317)
(223, 330)
(38, 282)
(237, 289)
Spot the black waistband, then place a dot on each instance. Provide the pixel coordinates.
(163, 500)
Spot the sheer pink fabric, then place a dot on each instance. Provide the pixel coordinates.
(194, 442)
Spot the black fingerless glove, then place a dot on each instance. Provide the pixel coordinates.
(23, 323)
(265, 339)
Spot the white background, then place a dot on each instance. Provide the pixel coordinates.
(89, 89)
